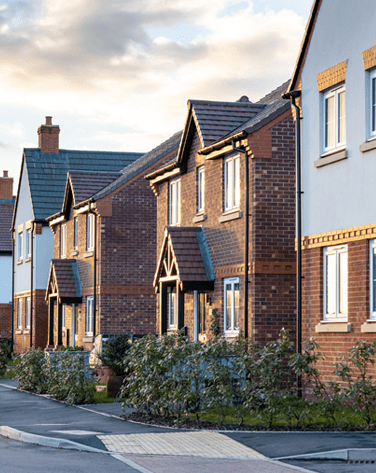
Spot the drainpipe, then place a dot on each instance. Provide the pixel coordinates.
(292, 96)
(195, 316)
(246, 230)
(13, 256)
(31, 282)
(95, 274)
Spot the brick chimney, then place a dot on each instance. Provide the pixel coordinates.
(49, 137)
(6, 186)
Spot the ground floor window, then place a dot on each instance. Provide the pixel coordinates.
(89, 315)
(372, 272)
(335, 283)
(19, 314)
(28, 312)
(172, 308)
(201, 313)
(231, 304)
(63, 316)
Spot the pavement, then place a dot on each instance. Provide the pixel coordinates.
(149, 449)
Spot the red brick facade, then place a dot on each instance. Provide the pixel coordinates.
(271, 297)
(5, 321)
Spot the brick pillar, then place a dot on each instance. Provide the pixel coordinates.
(48, 141)
(6, 186)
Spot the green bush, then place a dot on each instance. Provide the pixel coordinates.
(30, 370)
(5, 353)
(114, 353)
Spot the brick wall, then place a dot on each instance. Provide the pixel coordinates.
(5, 321)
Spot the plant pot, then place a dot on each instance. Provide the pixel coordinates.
(104, 372)
(114, 383)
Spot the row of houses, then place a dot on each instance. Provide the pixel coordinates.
(135, 243)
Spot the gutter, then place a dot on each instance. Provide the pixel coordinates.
(292, 96)
(226, 141)
(246, 236)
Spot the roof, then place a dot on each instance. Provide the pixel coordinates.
(304, 45)
(47, 173)
(190, 255)
(6, 212)
(216, 119)
(142, 163)
(275, 94)
(65, 278)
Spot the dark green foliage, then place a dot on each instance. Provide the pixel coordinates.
(5, 353)
(215, 327)
(114, 353)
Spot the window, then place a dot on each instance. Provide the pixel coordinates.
(89, 315)
(201, 313)
(175, 202)
(75, 235)
(372, 274)
(334, 119)
(63, 241)
(20, 246)
(172, 308)
(231, 304)
(28, 312)
(200, 189)
(335, 283)
(372, 103)
(28, 243)
(232, 183)
(63, 316)
(90, 232)
(19, 314)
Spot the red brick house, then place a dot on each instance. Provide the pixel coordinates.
(100, 280)
(6, 212)
(215, 219)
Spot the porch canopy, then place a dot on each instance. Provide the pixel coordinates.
(185, 258)
(64, 281)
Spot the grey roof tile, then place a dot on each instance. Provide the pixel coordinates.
(6, 212)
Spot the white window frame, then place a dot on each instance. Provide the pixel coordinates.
(63, 241)
(337, 144)
(372, 279)
(28, 312)
(174, 202)
(89, 320)
(372, 104)
(20, 246)
(200, 189)
(19, 314)
(232, 330)
(63, 315)
(90, 223)
(232, 183)
(340, 288)
(75, 233)
(28, 243)
(172, 309)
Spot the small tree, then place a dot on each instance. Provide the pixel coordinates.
(114, 353)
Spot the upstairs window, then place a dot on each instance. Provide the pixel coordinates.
(90, 232)
(63, 241)
(20, 246)
(174, 202)
(334, 119)
(335, 283)
(373, 103)
(232, 183)
(200, 189)
(75, 234)
(28, 243)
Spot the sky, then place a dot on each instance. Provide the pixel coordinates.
(116, 75)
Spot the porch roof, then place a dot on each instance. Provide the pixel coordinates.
(185, 257)
(64, 280)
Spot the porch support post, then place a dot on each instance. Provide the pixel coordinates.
(180, 305)
(51, 321)
(162, 308)
(195, 316)
(59, 323)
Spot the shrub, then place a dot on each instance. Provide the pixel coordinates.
(114, 353)
(29, 370)
(5, 352)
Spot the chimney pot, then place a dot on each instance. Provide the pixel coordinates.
(48, 140)
(48, 120)
(5, 173)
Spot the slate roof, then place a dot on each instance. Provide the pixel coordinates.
(6, 212)
(143, 163)
(87, 183)
(217, 119)
(192, 254)
(47, 173)
(275, 94)
(67, 278)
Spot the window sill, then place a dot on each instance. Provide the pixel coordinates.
(368, 327)
(202, 337)
(199, 218)
(20, 261)
(329, 158)
(74, 253)
(28, 259)
(333, 327)
(88, 254)
(227, 217)
(233, 334)
(27, 331)
(88, 339)
(368, 145)
(19, 332)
